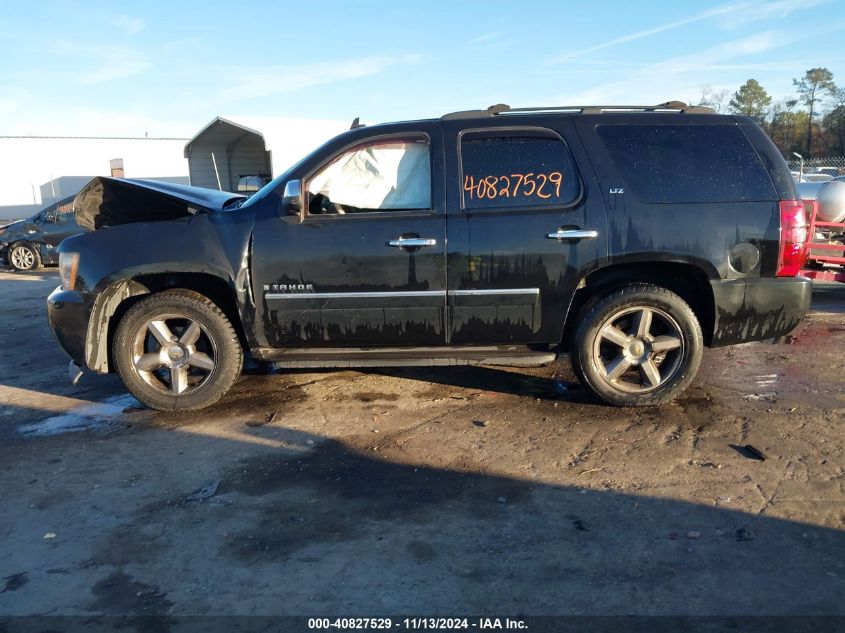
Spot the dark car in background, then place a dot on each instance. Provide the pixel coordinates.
(30, 243)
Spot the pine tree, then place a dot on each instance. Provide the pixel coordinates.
(813, 87)
(751, 100)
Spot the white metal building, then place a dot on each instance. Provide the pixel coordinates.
(228, 148)
(36, 169)
(27, 162)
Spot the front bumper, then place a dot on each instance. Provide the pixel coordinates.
(68, 312)
(757, 309)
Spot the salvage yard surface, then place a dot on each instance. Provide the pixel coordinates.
(429, 491)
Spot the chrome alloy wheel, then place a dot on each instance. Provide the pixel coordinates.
(22, 258)
(174, 354)
(638, 349)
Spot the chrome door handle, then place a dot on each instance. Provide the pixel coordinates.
(573, 234)
(405, 242)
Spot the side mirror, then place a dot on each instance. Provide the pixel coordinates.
(292, 198)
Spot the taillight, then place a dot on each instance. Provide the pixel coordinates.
(794, 234)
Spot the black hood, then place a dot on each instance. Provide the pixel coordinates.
(11, 226)
(113, 201)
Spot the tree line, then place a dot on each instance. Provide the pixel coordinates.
(811, 122)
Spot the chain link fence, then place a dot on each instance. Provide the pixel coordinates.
(829, 165)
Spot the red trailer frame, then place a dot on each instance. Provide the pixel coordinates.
(824, 274)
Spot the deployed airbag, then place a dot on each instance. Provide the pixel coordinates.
(114, 201)
(380, 176)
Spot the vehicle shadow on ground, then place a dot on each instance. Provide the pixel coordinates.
(494, 379)
(319, 526)
(828, 297)
(42, 274)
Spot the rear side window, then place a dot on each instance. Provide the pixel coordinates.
(687, 163)
(517, 170)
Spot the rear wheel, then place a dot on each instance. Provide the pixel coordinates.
(176, 350)
(641, 345)
(24, 256)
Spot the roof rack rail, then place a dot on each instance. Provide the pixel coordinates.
(501, 108)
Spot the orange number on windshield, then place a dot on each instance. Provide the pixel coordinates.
(556, 178)
(469, 185)
(505, 191)
(529, 179)
(540, 188)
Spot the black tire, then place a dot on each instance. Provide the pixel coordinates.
(23, 256)
(647, 333)
(180, 382)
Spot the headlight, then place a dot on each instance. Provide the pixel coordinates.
(68, 265)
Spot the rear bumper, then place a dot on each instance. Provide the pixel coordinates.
(757, 309)
(68, 313)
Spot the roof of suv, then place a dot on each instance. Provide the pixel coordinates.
(501, 109)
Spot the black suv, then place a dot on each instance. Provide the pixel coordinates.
(630, 237)
(30, 243)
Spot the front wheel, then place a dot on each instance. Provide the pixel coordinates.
(24, 256)
(641, 345)
(177, 351)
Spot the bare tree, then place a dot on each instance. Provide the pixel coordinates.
(713, 98)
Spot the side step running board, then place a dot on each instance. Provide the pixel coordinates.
(507, 355)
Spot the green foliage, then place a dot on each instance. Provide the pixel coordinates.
(816, 84)
(833, 124)
(811, 123)
(751, 100)
(812, 88)
(787, 129)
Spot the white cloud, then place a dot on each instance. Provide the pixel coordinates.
(485, 38)
(34, 117)
(251, 82)
(96, 63)
(759, 11)
(128, 23)
(13, 100)
(114, 69)
(678, 77)
(753, 44)
(705, 15)
(728, 16)
(488, 41)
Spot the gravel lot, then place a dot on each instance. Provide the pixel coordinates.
(435, 491)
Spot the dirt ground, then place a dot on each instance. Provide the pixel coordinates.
(431, 491)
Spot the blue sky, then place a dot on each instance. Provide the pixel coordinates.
(167, 68)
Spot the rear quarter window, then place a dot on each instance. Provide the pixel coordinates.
(687, 163)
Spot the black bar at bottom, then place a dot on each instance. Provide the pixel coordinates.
(534, 624)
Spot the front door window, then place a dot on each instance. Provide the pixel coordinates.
(388, 175)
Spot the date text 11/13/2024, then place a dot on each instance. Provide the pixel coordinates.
(418, 624)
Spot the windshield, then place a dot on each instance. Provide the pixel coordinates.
(270, 186)
(281, 179)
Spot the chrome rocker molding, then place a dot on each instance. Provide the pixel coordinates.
(410, 293)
